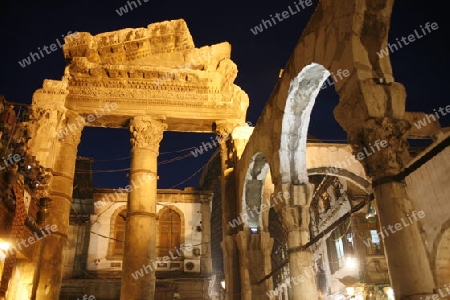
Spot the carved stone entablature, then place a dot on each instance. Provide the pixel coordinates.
(382, 146)
(147, 132)
(167, 43)
(150, 96)
(153, 71)
(120, 46)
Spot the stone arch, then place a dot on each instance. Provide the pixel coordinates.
(112, 231)
(183, 221)
(360, 181)
(302, 94)
(441, 261)
(336, 160)
(256, 177)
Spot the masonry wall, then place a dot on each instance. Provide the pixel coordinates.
(429, 190)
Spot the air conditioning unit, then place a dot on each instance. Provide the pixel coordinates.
(192, 266)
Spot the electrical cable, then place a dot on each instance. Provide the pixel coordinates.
(196, 172)
(167, 161)
(177, 158)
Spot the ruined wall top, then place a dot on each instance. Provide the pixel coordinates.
(131, 44)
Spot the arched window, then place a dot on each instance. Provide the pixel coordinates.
(119, 234)
(169, 232)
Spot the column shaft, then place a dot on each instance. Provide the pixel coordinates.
(405, 251)
(296, 219)
(140, 235)
(409, 267)
(48, 283)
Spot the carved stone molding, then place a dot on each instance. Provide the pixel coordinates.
(147, 132)
(380, 161)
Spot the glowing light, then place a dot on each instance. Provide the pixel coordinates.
(222, 283)
(254, 230)
(350, 291)
(4, 246)
(350, 262)
(390, 293)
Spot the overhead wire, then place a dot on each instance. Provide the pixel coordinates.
(171, 159)
(195, 173)
(161, 153)
(81, 171)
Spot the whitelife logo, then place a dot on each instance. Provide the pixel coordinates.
(53, 47)
(281, 16)
(360, 155)
(423, 122)
(86, 297)
(441, 294)
(397, 226)
(146, 268)
(117, 192)
(109, 106)
(31, 240)
(411, 38)
(124, 9)
(10, 160)
(244, 216)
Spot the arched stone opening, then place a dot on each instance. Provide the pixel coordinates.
(345, 174)
(256, 198)
(302, 94)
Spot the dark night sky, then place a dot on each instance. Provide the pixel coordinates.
(26, 25)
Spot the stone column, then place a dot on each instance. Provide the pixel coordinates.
(295, 218)
(255, 263)
(231, 268)
(409, 267)
(140, 235)
(229, 208)
(49, 275)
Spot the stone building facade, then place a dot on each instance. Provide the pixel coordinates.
(94, 252)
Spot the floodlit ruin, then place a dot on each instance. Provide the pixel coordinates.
(276, 215)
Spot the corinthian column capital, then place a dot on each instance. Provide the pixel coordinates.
(70, 128)
(147, 132)
(224, 128)
(381, 146)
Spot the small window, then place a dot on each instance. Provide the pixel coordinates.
(119, 233)
(340, 252)
(374, 236)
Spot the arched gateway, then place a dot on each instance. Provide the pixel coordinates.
(149, 80)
